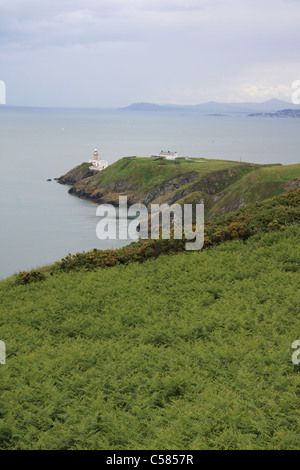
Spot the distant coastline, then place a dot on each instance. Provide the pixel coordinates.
(217, 108)
(283, 113)
(211, 108)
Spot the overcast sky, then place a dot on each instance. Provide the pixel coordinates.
(110, 53)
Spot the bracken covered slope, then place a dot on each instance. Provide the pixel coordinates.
(189, 351)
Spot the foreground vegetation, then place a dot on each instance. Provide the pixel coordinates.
(186, 351)
(273, 214)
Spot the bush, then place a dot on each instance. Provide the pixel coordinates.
(26, 277)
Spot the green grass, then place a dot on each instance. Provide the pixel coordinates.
(280, 172)
(147, 172)
(263, 182)
(188, 351)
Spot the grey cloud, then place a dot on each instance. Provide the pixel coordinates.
(74, 22)
(149, 49)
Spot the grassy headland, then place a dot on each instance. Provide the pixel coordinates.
(222, 185)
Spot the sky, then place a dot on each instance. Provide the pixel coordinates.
(111, 53)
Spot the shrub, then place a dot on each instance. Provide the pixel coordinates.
(26, 277)
(234, 230)
(274, 226)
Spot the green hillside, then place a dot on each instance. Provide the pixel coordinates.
(262, 183)
(186, 351)
(150, 172)
(222, 185)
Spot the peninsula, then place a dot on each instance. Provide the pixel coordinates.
(222, 185)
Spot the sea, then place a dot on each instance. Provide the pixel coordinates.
(41, 223)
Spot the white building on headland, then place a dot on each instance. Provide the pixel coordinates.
(97, 163)
(166, 155)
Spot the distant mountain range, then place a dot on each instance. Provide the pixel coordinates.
(213, 107)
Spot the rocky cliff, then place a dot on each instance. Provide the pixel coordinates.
(78, 173)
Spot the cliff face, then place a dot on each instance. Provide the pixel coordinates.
(169, 191)
(78, 173)
(109, 192)
(222, 186)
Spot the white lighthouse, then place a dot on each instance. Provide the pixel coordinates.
(97, 163)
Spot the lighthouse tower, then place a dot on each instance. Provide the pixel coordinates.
(97, 163)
